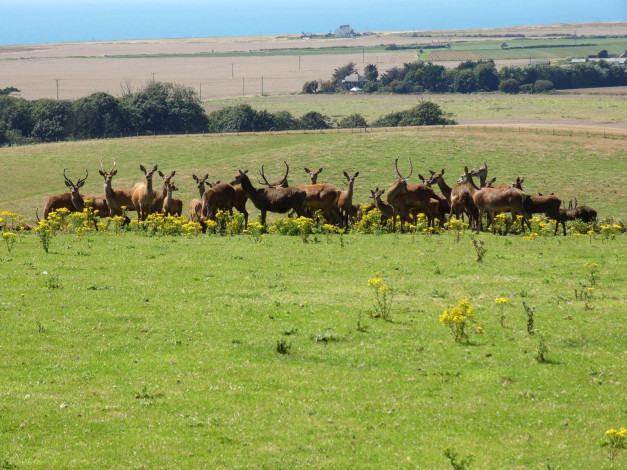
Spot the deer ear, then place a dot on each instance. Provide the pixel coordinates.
(141, 167)
(207, 176)
(173, 173)
(320, 170)
(101, 172)
(432, 172)
(466, 169)
(356, 175)
(442, 172)
(345, 174)
(80, 184)
(155, 168)
(161, 174)
(307, 170)
(114, 172)
(421, 178)
(68, 184)
(195, 178)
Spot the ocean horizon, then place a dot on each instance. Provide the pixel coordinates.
(43, 21)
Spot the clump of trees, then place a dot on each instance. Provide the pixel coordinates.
(474, 76)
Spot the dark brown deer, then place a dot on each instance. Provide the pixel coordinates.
(549, 206)
(74, 201)
(345, 202)
(218, 197)
(280, 183)
(402, 197)
(495, 200)
(280, 200)
(116, 198)
(584, 213)
(143, 196)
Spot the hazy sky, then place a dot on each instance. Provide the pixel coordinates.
(35, 21)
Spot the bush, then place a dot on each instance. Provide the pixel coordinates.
(543, 85)
(314, 120)
(327, 87)
(310, 87)
(354, 120)
(510, 85)
(426, 113)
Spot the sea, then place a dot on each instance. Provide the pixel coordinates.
(47, 21)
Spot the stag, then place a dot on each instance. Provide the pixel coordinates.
(172, 205)
(143, 196)
(549, 205)
(280, 183)
(495, 200)
(116, 198)
(345, 202)
(74, 201)
(279, 200)
(402, 197)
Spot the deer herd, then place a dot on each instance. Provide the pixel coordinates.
(403, 201)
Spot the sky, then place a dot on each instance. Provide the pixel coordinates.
(41, 21)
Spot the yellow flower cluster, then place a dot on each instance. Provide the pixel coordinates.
(620, 434)
(531, 236)
(457, 224)
(375, 282)
(458, 319)
(501, 300)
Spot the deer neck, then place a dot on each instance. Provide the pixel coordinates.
(444, 188)
(248, 187)
(201, 189)
(470, 185)
(77, 201)
(349, 191)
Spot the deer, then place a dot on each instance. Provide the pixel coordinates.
(495, 200)
(549, 205)
(143, 196)
(402, 197)
(218, 197)
(157, 204)
(74, 201)
(584, 213)
(172, 205)
(313, 175)
(516, 184)
(345, 202)
(280, 200)
(386, 210)
(195, 205)
(280, 183)
(116, 198)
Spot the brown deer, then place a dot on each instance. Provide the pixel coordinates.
(74, 201)
(549, 205)
(386, 210)
(218, 197)
(157, 204)
(313, 175)
(143, 196)
(402, 197)
(172, 205)
(584, 213)
(495, 200)
(279, 200)
(280, 183)
(345, 202)
(195, 205)
(116, 198)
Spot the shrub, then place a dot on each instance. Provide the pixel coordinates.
(314, 120)
(543, 85)
(310, 87)
(354, 120)
(510, 85)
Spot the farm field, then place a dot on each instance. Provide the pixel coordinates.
(248, 66)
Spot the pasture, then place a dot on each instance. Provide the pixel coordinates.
(137, 351)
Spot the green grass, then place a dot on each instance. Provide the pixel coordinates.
(540, 108)
(157, 352)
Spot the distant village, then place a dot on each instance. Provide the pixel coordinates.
(344, 31)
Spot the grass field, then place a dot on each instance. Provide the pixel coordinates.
(581, 165)
(550, 109)
(132, 351)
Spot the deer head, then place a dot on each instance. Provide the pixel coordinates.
(281, 183)
(313, 175)
(74, 187)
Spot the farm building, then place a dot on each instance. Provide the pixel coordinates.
(354, 82)
(345, 31)
(539, 62)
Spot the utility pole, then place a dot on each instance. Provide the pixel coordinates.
(262, 85)
(200, 92)
(242, 86)
(299, 63)
(231, 71)
(57, 80)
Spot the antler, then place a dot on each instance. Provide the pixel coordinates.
(264, 177)
(411, 171)
(83, 180)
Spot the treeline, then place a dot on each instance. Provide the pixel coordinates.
(473, 76)
(166, 108)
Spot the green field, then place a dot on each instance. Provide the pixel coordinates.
(538, 108)
(136, 351)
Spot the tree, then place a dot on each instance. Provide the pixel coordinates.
(603, 54)
(426, 113)
(310, 87)
(541, 86)
(371, 72)
(342, 72)
(466, 81)
(487, 78)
